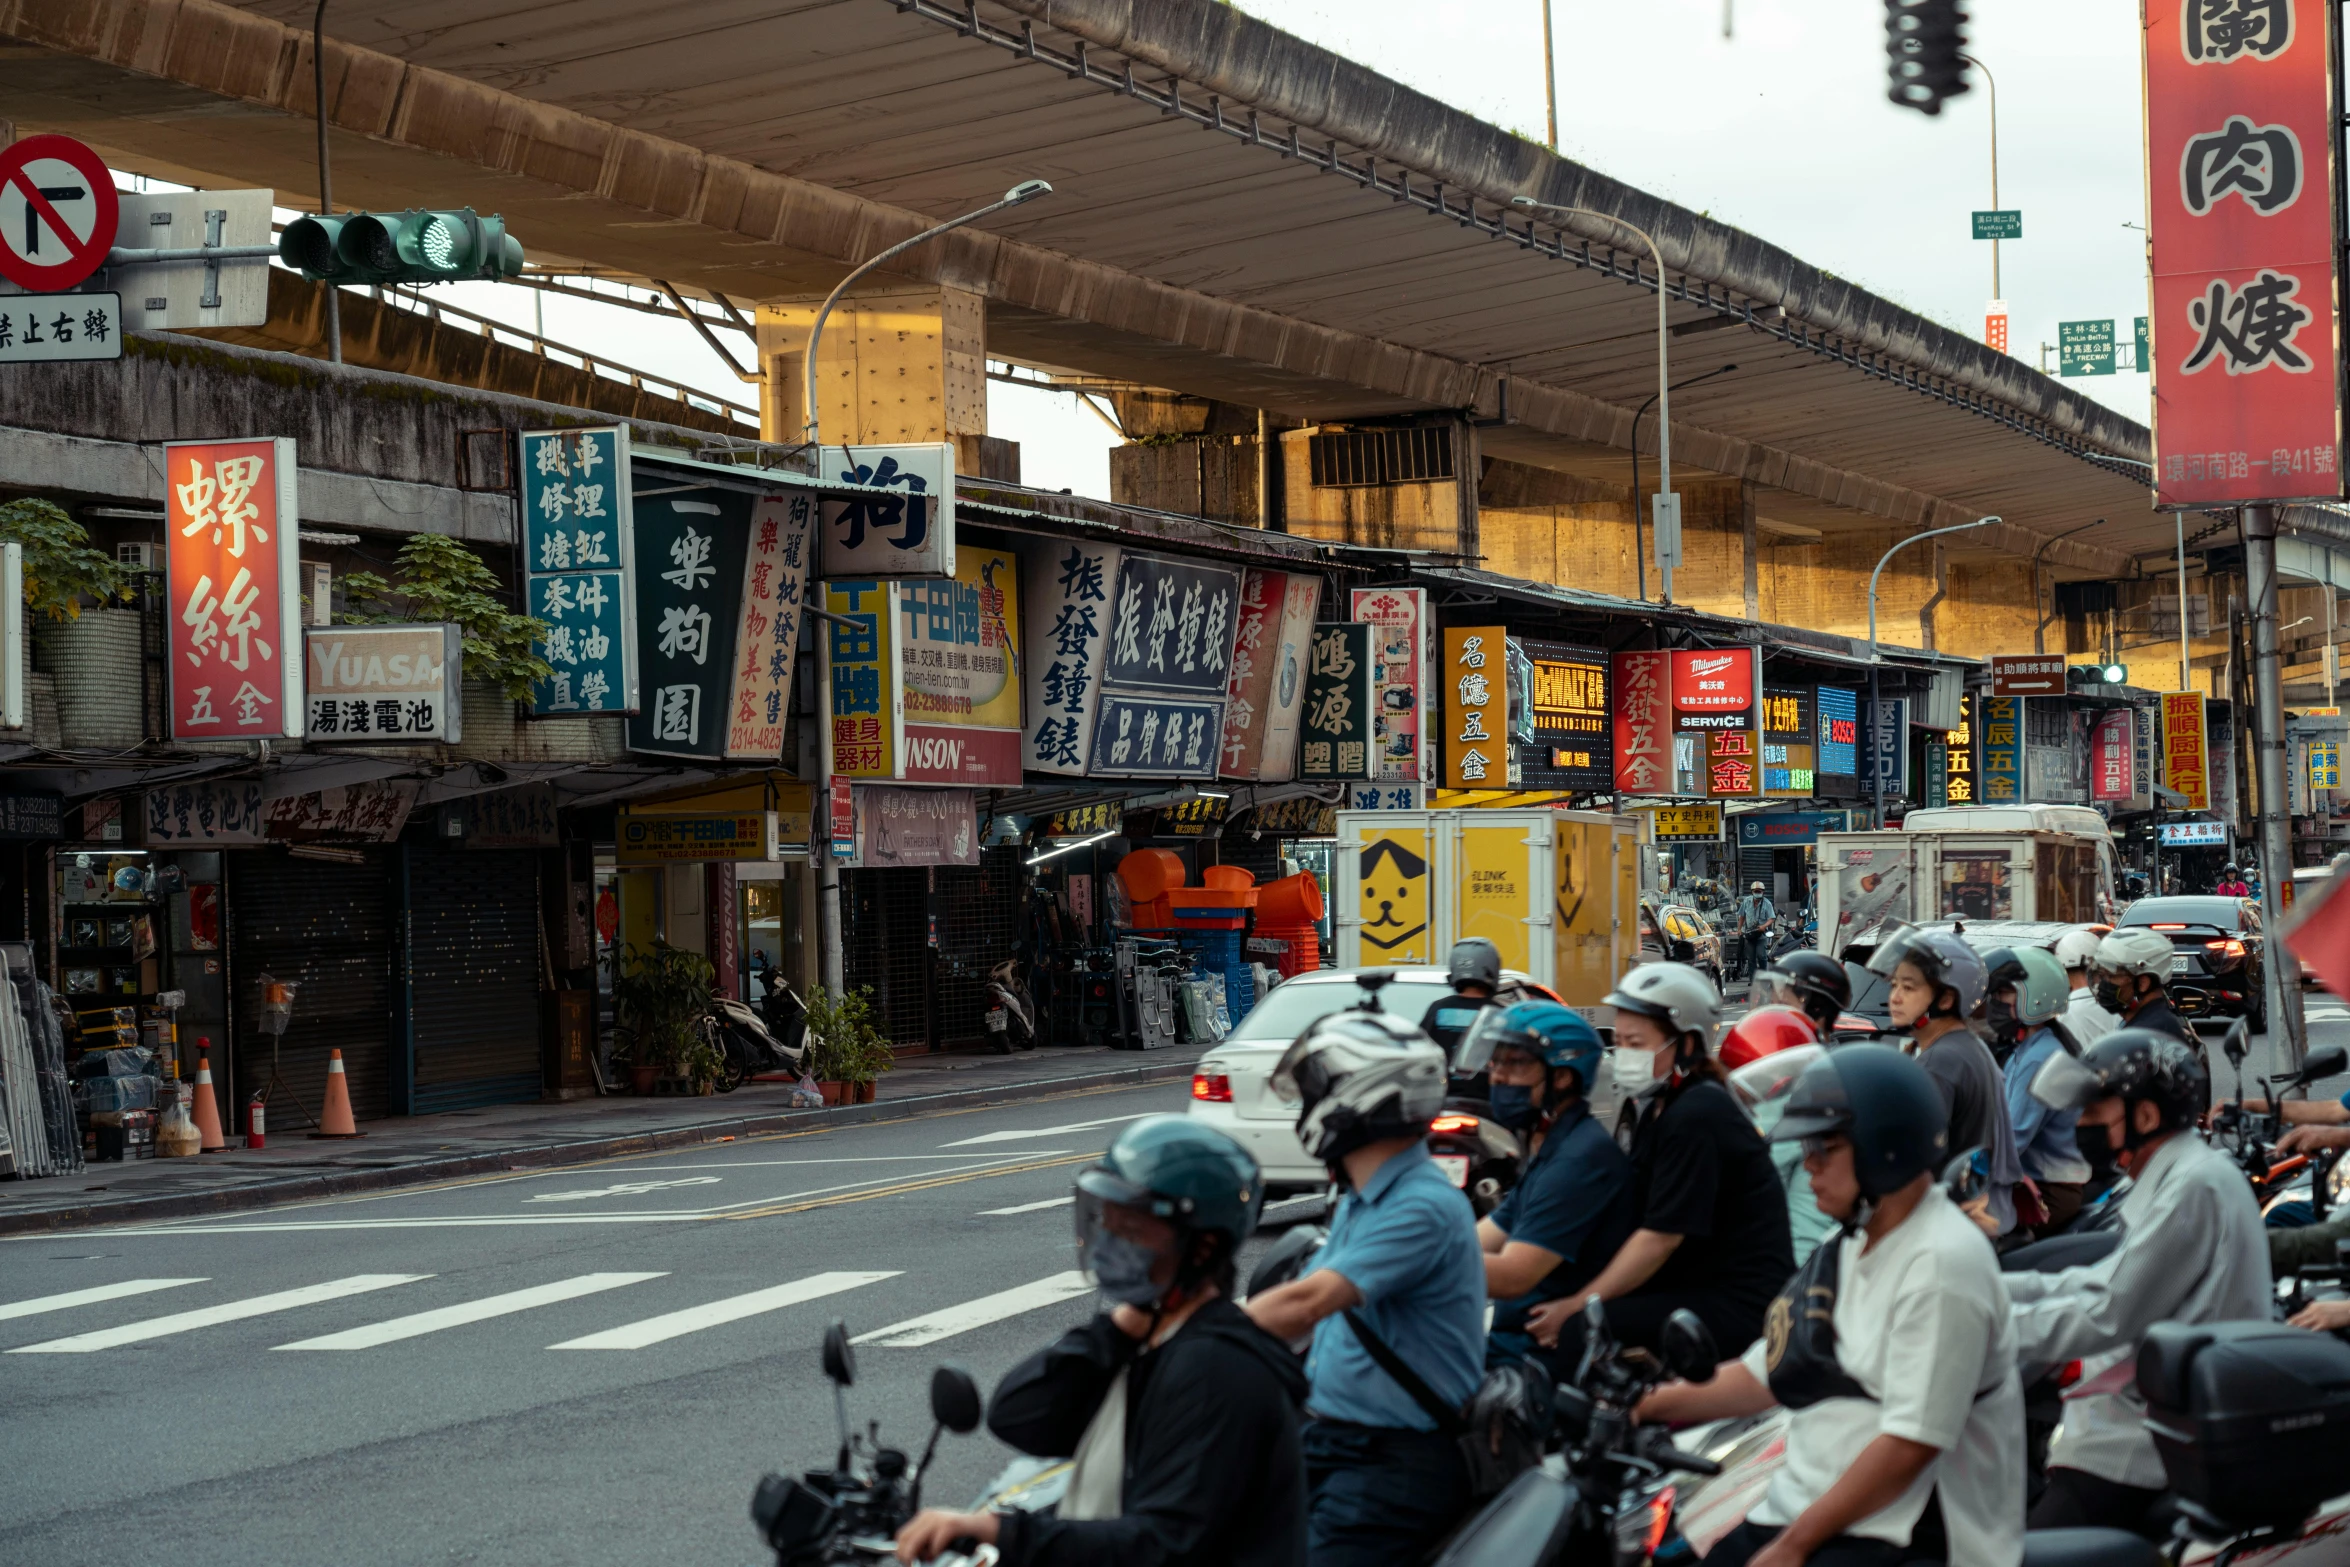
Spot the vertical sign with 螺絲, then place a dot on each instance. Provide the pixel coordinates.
(235, 603)
(578, 559)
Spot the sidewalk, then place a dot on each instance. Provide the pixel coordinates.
(414, 1150)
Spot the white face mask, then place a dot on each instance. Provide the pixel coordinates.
(1634, 1070)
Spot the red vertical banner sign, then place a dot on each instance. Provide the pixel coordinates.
(1644, 723)
(2186, 767)
(2241, 233)
(231, 571)
(2113, 749)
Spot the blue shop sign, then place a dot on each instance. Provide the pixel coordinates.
(1787, 829)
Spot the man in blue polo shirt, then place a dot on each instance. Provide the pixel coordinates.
(1396, 1301)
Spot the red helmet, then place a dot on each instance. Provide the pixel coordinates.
(1764, 1032)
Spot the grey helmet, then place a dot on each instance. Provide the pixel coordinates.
(1944, 959)
(1360, 1077)
(2134, 949)
(1475, 961)
(1674, 994)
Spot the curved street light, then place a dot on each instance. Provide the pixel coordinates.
(1876, 705)
(1639, 549)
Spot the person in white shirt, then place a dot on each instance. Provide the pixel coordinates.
(1906, 1441)
(2084, 1019)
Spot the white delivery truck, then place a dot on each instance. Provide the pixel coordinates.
(1558, 892)
(1992, 862)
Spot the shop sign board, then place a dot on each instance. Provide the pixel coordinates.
(1790, 720)
(840, 810)
(1643, 686)
(1716, 688)
(717, 621)
(668, 837)
(955, 658)
(519, 818)
(1265, 698)
(235, 606)
(356, 813)
(905, 527)
(1732, 764)
(1884, 759)
(1144, 736)
(1476, 707)
(1171, 627)
(1686, 823)
(1839, 730)
(1086, 821)
(775, 590)
(2240, 181)
(1399, 650)
(229, 814)
(384, 685)
(1376, 796)
(2002, 774)
(2185, 762)
(1341, 686)
(205, 812)
(1568, 709)
(2325, 764)
(1303, 817)
(1958, 757)
(1785, 829)
(2113, 746)
(579, 566)
(1193, 818)
(2027, 674)
(2142, 775)
(29, 816)
(1068, 607)
(916, 826)
(2193, 834)
(865, 731)
(1934, 786)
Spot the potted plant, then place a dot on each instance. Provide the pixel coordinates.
(701, 1064)
(102, 700)
(660, 996)
(847, 1051)
(442, 580)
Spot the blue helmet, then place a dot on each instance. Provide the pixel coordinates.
(1557, 1035)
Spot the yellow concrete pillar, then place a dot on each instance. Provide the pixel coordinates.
(902, 367)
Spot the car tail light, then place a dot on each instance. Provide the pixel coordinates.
(1211, 1088)
(2228, 947)
(2166, 927)
(1641, 1528)
(1453, 1123)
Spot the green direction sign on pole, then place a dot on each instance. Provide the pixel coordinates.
(2084, 348)
(2003, 223)
(2141, 364)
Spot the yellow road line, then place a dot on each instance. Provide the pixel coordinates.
(903, 1187)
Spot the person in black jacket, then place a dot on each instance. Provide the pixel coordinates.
(1182, 1414)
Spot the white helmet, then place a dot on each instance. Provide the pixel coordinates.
(1359, 1077)
(2133, 949)
(2077, 948)
(1675, 995)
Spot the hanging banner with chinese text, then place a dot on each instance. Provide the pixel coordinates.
(2003, 750)
(906, 527)
(2185, 760)
(1172, 627)
(699, 594)
(1399, 649)
(1143, 736)
(1274, 627)
(1956, 752)
(1884, 761)
(2240, 182)
(230, 570)
(579, 568)
(1568, 707)
(775, 588)
(917, 826)
(865, 730)
(1069, 605)
(1644, 723)
(2113, 745)
(1476, 708)
(1341, 686)
(962, 694)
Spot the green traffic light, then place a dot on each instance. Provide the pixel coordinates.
(401, 247)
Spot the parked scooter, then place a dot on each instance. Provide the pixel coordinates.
(743, 1039)
(1011, 1016)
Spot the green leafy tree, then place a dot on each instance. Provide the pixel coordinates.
(61, 570)
(442, 580)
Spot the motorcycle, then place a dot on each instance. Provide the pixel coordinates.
(2289, 1189)
(744, 1042)
(1011, 1017)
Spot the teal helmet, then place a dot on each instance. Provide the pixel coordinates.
(1556, 1035)
(2041, 990)
(1180, 1170)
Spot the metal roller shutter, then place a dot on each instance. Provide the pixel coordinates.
(473, 964)
(326, 927)
(885, 947)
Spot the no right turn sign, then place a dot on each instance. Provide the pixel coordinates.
(58, 213)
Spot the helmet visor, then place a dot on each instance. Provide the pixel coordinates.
(1103, 1216)
(1483, 1036)
(2066, 1082)
(1902, 944)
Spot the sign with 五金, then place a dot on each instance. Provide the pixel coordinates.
(1957, 756)
(2113, 755)
(2027, 674)
(1732, 763)
(2002, 772)
(230, 574)
(1643, 723)
(1476, 707)
(2185, 768)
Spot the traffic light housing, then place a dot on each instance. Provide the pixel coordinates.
(1923, 43)
(401, 247)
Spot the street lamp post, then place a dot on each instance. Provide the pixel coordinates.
(1993, 85)
(1639, 549)
(1876, 704)
(1666, 555)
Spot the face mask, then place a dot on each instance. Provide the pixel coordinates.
(1122, 1270)
(2109, 995)
(2000, 1021)
(1634, 1069)
(1512, 1104)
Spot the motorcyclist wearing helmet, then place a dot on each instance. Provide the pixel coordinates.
(1712, 1217)
(1572, 1205)
(1937, 983)
(2231, 884)
(1182, 1414)
(2076, 953)
(1906, 1441)
(2024, 1011)
(1400, 1282)
(1474, 973)
(1761, 1034)
(2133, 969)
(1811, 982)
(2191, 1251)
(1756, 915)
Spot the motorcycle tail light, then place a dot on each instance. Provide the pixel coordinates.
(1211, 1088)
(1641, 1526)
(2068, 1373)
(2228, 947)
(1453, 1123)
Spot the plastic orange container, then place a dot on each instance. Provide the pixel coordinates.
(1293, 900)
(1149, 874)
(1228, 878)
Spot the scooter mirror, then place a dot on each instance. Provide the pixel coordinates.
(954, 1400)
(1965, 1177)
(840, 1362)
(1688, 1348)
(2324, 1063)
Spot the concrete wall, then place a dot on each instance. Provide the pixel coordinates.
(901, 367)
(1421, 516)
(1205, 476)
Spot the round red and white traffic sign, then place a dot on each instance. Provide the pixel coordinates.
(58, 213)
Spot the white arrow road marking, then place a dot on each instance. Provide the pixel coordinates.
(212, 1316)
(915, 1332)
(482, 1310)
(652, 1330)
(1027, 1207)
(89, 1297)
(1048, 1131)
(625, 1189)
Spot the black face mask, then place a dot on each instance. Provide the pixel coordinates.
(1999, 1021)
(2110, 997)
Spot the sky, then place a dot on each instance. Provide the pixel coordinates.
(1782, 129)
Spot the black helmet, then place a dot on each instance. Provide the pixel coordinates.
(1880, 1099)
(2135, 1064)
(1475, 961)
(1813, 982)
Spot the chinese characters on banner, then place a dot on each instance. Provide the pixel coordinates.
(1644, 723)
(378, 684)
(1068, 603)
(1341, 686)
(1168, 665)
(1399, 650)
(2113, 755)
(2240, 182)
(1884, 760)
(2003, 750)
(1274, 627)
(1839, 720)
(230, 574)
(917, 827)
(2027, 674)
(866, 732)
(1957, 767)
(2185, 768)
(956, 637)
(775, 587)
(713, 573)
(1476, 708)
(1717, 696)
(578, 567)
(2325, 764)
(1789, 722)
(906, 528)
(1141, 735)
(1569, 709)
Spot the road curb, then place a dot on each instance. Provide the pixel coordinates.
(264, 1194)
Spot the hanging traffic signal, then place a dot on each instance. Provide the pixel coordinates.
(1924, 42)
(401, 247)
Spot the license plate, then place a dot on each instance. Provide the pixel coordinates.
(998, 1022)
(1455, 1167)
(2180, 963)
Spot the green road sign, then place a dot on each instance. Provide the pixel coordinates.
(2006, 223)
(2141, 364)
(2084, 347)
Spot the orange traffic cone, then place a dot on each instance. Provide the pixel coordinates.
(207, 1110)
(335, 1118)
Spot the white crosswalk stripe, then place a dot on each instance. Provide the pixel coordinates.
(210, 1316)
(1027, 1207)
(89, 1297)
(915, 1332)
(423, 1322)
(653, 1330)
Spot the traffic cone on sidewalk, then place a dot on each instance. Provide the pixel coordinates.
(206, 1112)
(334, 1119)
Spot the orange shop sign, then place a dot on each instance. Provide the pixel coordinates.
(231, 577)
(2186, 765)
